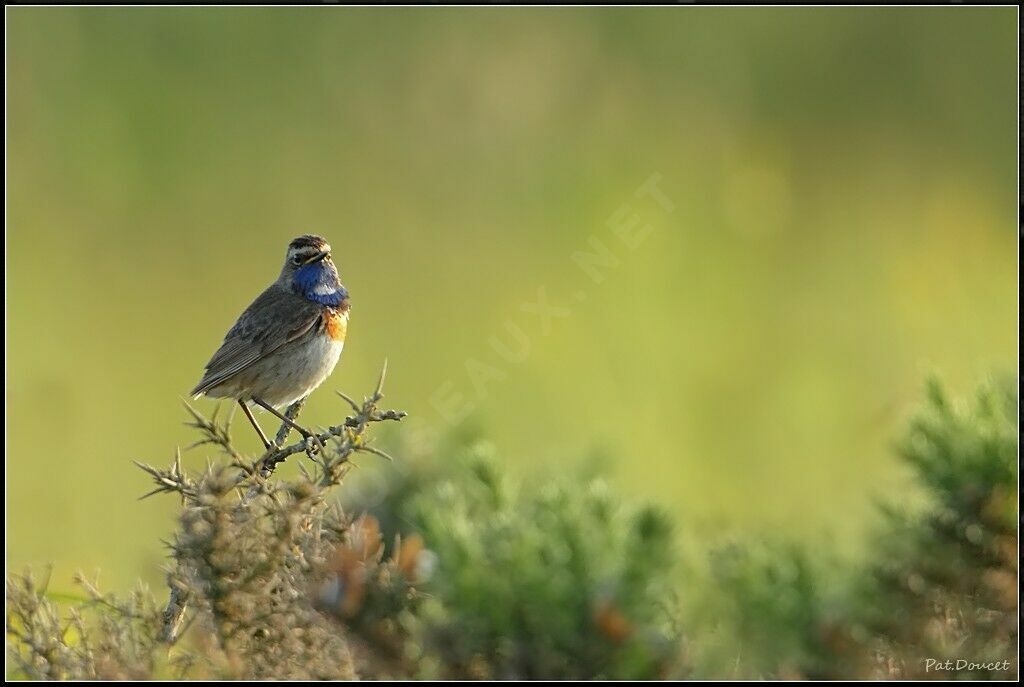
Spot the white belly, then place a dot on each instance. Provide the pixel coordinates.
(288, 374)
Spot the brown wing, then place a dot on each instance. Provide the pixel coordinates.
(275, 318)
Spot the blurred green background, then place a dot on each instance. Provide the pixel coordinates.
(844, 183)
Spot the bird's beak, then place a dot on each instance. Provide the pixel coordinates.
(319, 256)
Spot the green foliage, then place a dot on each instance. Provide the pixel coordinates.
(943, 581)
(773, 612)
(476, 575)
(556, 581)
(938, 586)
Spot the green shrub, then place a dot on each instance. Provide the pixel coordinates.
(461, 571)
(943, 581)
(557, 581)
(939, 583)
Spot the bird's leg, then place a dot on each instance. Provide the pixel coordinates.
(288, 421)
(256, 425)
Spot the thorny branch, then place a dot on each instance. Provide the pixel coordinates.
(339, 442)
(343, 431)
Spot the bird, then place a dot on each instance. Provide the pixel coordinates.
(288, 341)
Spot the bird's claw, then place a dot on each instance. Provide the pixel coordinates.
(313, 443)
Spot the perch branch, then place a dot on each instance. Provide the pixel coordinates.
(349, 432)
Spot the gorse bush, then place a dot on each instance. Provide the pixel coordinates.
(245, 561)
(558, 581)
(246, 572)
(937, 595)
(773, 611)
(944, 580)
(463, 572)
(101, 637)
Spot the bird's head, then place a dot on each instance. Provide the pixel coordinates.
(310, 272)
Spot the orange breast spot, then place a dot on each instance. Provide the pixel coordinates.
(337, 325)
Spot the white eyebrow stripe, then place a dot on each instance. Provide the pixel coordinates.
(307, 251)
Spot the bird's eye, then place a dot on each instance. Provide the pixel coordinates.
(297, 260)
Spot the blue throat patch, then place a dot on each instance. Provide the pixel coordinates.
(319, 283)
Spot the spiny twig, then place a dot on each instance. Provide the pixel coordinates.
(172, 479)
(350, 432)
(271, 461)
(214, 433)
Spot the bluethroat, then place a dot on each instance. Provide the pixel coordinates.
(288, 341)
